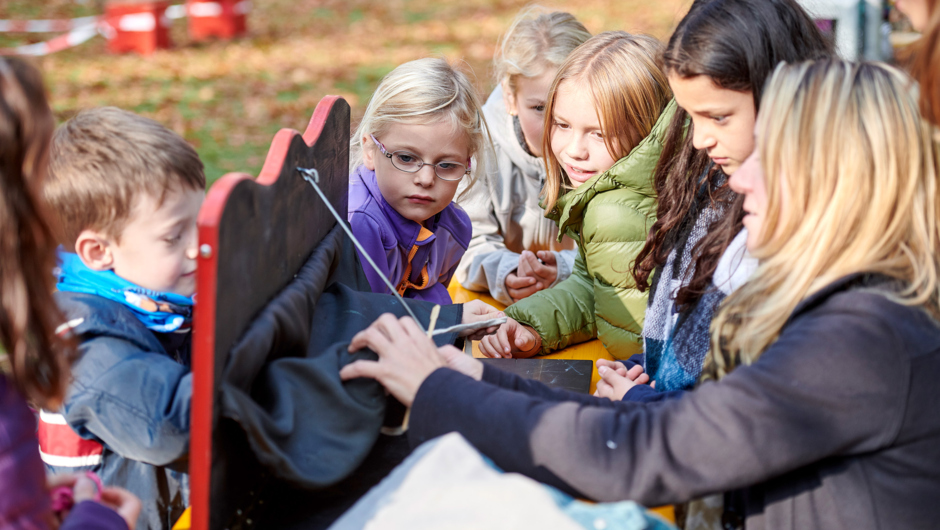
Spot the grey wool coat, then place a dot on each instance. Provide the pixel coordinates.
(834, 427)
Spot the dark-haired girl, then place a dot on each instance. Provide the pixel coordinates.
(32, 363)
(717, 61)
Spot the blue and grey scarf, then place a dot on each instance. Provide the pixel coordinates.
(675, 344)
(159, 311)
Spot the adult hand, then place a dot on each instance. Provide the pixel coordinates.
(476, 311)
(541, 266)
(406, 356)
(460, 362)
(616, 380)
(512, 339)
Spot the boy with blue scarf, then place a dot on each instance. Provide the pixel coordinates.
(127, 192)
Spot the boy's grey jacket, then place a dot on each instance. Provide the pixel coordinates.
(504, 209)
(834, 427)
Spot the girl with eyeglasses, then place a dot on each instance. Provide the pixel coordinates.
(411, 151)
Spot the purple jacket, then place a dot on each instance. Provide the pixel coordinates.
(24, 501)
(388, 238)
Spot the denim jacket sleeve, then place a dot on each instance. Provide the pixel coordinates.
(135, 401)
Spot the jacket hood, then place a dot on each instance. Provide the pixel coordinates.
(499, 125)
(633, 172)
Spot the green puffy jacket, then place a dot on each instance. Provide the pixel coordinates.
(609, 216)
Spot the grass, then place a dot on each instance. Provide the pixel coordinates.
(229, 98)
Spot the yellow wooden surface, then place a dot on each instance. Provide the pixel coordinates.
(590, 351)
(184, 522)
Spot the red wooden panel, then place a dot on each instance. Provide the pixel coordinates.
(254, 234)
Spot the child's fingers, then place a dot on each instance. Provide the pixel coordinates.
(55, 481)
(524, 340)
(519, 294)
(125, 503)
(642, 379)
(547, 257)
(544, 271)
(502, 339)
(617, 366)
(604, 390)
(480, 333)
(514, 281)
(489, 347)
(633, 372)
(527, 262)
(84, 489)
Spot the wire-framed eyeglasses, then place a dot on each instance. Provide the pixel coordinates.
(410, 163)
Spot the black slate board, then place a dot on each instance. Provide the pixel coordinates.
(557, 373)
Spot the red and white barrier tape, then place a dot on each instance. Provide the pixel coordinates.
(45, 26)
(62, 42)
(83, 28)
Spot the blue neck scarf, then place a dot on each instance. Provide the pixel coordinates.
(159, 311)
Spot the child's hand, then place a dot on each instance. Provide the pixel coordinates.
(533, 274)
(512, 339)
(616, 380)
(476, 311)
(125, 503)
(84, 489)
(520, 287)
(542, 267)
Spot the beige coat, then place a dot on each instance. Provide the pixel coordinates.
(504, 208)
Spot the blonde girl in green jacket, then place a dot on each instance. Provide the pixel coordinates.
(607, 115)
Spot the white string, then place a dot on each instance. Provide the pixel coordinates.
(313, 177)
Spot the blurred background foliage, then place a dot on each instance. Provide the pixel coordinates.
(229, 98)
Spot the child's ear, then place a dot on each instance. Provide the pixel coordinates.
(94, 249)
(509, 98)
(368, 152)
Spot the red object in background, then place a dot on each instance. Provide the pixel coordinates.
(223, 19)
(135, 26)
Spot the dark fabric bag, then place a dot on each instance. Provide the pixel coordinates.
(281, 383)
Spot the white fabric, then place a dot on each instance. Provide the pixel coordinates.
(453, 488)
(735, 266)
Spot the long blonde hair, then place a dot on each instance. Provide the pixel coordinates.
(851, 182)
(422, 92)
(537, 39)
(630, 92)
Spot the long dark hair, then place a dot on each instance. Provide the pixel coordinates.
(28, 314)
(737, 43)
